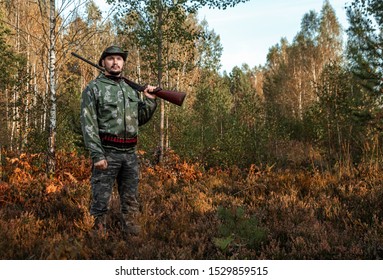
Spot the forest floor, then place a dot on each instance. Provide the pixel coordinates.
(188, 212)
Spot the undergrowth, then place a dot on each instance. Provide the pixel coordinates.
(188, 212)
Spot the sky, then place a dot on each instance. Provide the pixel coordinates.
(248, 30)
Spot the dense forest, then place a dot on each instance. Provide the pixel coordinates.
(275, 161)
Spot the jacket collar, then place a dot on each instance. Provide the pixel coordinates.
(102, 77)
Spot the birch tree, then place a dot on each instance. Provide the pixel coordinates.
(52, 89)
(59, 21)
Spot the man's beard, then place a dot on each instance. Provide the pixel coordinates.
(113, 72)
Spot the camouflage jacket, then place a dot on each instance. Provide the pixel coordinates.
(112, 108)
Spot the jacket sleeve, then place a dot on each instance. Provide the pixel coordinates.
(146, 109)
(89, 124)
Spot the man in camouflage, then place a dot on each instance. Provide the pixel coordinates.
(111, 112)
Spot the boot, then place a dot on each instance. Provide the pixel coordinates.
(129, 225)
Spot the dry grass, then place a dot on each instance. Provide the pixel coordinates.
(265, 214)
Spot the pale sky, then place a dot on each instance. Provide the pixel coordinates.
(248, 30)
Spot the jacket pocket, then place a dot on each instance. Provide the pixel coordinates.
(108, 110)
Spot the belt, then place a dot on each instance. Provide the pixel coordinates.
(117, 142)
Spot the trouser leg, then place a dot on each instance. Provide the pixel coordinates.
(102, 182)
(128, 189)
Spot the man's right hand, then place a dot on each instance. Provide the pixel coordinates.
(102, 164)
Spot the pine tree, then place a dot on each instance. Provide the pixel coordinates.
(365, 43)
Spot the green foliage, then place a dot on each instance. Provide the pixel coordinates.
(223, 243)
(13, 90)
(69, 134)
(364, 46)
(157, 27)
(226, 123)
(190, 5)
(312, 97)
(237, 230)
(9, 61)
(364, 53)
(209, 48)
(305, 99)
(334, 112)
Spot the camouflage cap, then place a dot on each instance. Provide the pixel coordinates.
(113, 50)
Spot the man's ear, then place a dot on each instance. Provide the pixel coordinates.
(102, 63)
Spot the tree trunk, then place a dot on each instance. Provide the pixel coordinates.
(51, 161)
(159, 79)
(138, 65)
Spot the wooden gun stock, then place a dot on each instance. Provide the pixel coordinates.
(174, 97)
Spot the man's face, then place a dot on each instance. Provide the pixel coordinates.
(113, 64)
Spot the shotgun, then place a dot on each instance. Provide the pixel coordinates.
(175, 97)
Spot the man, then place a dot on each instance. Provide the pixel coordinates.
(111, 112)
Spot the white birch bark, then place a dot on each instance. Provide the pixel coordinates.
(51, 162)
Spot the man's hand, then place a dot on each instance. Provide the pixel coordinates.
(148, 89)
(101, 165)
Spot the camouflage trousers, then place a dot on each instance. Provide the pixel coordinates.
(122, 167)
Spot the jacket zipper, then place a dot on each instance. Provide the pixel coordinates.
(124, 110)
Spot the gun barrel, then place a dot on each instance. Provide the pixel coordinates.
(88, 61)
